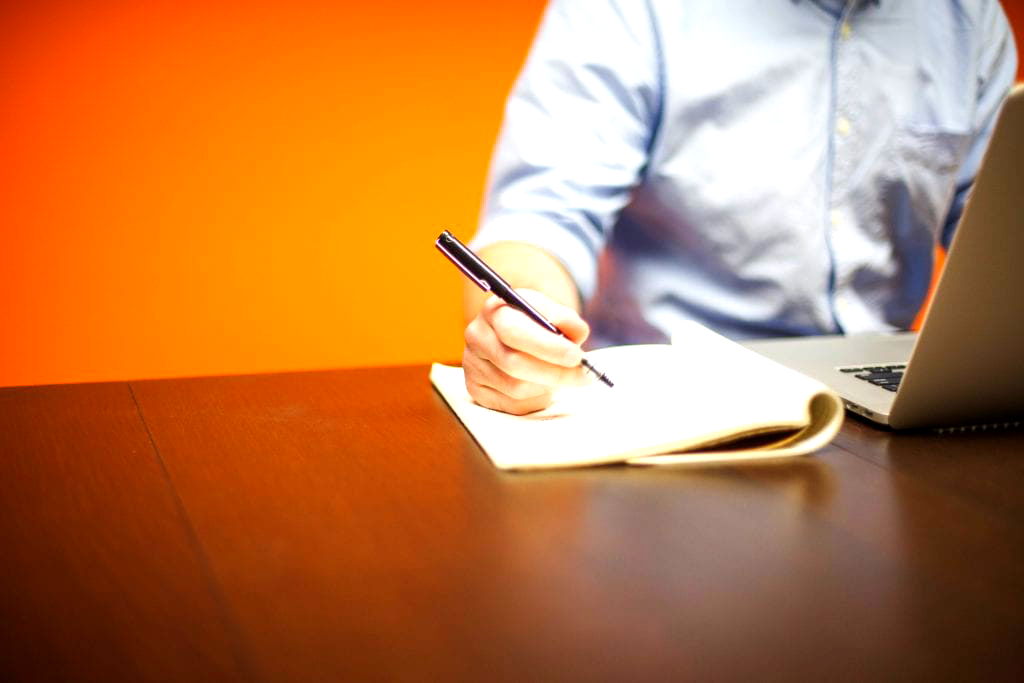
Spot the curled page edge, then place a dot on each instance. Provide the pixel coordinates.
(825, 412)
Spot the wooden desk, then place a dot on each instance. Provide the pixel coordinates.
(342, 526)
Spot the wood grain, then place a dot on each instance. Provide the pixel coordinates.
(358, 532)
(100, 578)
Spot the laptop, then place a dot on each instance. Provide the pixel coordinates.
(965, 368)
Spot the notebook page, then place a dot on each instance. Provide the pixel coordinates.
(702, 389)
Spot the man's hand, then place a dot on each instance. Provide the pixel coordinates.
(513, 364)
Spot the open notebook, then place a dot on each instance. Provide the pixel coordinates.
(701, 399)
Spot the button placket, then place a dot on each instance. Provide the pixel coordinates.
(844, 158)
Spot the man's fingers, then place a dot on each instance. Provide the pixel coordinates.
(513, 364)
(518, 331)
(492, 388)
(495, 400)
(483, 341)
(564, 318)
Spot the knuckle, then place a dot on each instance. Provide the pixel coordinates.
(526, 406)
(471, 337)
(479, 338)
(492, 308)
(515, 363)
(472, 332)
(498, 319)
(520, 390)
(471, 371)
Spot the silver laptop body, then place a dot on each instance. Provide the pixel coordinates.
(966, 366)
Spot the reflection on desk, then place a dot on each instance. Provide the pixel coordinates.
(342, 525)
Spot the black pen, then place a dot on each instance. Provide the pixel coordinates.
(489, 281)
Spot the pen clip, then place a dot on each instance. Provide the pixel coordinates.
(443, 248)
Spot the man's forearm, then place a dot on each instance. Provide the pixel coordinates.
(523, 266)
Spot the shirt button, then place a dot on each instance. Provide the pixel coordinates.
(845, 30)
(843, 125)
(833, 217)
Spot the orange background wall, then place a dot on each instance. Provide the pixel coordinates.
(193, 187)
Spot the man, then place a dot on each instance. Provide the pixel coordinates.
(764, 167)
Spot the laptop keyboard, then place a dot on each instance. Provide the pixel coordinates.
(885, 376)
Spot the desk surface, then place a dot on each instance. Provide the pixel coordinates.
(342, 526)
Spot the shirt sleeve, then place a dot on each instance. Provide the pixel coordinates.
(997, 71)
(578, 127)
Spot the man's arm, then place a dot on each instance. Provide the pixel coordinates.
(575, 141)
(524, 266)
(578, 127)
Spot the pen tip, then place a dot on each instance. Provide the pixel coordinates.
(603, 378)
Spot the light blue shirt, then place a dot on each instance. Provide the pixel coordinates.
(764, 167)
